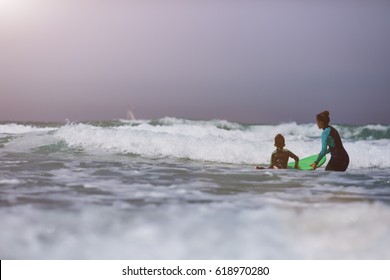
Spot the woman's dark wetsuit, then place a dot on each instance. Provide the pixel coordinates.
(280, 157)
(339, 159)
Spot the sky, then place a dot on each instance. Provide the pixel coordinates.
(244, 61)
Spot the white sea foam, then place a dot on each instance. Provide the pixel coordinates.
(9, 181)
(214, 141)
(77, 193)
(14, 128)
(206, 232)
(208, 141)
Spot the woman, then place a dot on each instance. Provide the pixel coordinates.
(339, 159)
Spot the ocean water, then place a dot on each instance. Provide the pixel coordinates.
(182, 189)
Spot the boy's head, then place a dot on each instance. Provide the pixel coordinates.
(279, 141)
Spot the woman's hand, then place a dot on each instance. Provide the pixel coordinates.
(314, 165)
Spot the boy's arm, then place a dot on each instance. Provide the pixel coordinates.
(272, 160)
(296, 158)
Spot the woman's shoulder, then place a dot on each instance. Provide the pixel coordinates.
(327, 130)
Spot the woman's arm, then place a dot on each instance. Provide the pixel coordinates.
(272, 160)
(324, 148)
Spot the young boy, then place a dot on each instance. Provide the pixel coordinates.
(280, 156)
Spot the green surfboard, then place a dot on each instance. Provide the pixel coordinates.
(304, 163)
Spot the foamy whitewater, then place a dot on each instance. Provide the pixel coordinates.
(182, 189)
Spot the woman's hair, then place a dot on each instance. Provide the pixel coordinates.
(324, 117)
(279, 141)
